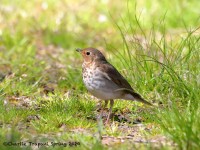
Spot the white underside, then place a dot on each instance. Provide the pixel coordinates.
(103, 88)
(105, 95)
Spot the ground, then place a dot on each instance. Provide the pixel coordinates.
(43, 102)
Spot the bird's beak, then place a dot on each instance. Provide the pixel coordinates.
(79, 50)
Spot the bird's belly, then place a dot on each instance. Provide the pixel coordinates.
(101, 88)
(104, 95)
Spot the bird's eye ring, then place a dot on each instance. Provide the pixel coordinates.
(87, 53)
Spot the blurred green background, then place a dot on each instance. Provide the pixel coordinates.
(154, 44)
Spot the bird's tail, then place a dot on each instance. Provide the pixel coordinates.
(138, 98)
(134, 96)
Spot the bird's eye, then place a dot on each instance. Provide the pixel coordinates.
(87, 53)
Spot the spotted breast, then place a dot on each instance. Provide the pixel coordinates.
(97, 84)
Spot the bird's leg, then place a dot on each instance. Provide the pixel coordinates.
(99, 109)
(110, 110)
(102, 108)
(99, 105)
(105, 105)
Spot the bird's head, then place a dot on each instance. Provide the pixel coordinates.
(91, 55)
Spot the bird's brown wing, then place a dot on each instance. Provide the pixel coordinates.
(117, 78)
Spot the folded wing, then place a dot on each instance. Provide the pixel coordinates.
(113, 75)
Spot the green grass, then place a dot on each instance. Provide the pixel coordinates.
(170, 69)
(154, 44)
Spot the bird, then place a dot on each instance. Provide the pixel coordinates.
(104, 81)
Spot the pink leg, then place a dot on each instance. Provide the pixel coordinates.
(110, 111)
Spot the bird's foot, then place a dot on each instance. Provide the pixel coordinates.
(107, 122)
